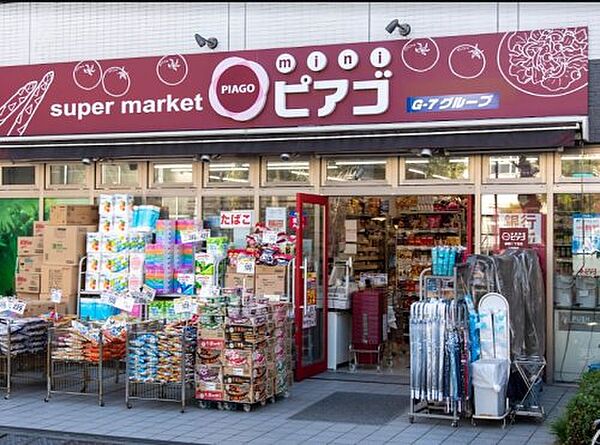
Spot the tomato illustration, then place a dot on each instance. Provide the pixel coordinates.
(172, 70)
(420, 55)
(116, 81)
(467, 61)
(87, 74)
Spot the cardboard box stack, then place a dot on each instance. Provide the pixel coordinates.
(64, 242)
(244, 349)
(29, 267)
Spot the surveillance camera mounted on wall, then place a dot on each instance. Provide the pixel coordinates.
(403, 28)
(211, 42)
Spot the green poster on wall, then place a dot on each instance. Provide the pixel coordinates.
(16, 219)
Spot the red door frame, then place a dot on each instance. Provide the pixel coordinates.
(302, 372)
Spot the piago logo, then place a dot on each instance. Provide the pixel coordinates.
(238, 89)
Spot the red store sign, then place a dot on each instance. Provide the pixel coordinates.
(506, 75)
(514, 237)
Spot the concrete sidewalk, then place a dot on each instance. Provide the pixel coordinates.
(265, 425)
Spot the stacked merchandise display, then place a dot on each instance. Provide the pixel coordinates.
(48, 260)
(80, 356)
(22, 350)
(244, 350)
(115, 254)
(160, 361)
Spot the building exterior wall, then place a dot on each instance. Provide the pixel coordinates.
(34, 33)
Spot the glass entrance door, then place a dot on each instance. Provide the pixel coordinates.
(311, 285)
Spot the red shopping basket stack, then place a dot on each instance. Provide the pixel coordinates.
(368, 310)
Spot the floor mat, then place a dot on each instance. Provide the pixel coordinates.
(363, 377)
(355, 407)
(26, 436)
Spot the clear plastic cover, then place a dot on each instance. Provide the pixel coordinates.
(517, 275)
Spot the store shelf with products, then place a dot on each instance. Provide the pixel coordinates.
(418, 226)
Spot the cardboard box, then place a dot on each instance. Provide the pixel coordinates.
(29, 245)
(234, 279)
(270, 280)
(64, 245)
(35, 308)
(28, 296)
(73, 214)
(27, 282)
(59, 277)
(39, 228)
(68, 302)
(30, 264)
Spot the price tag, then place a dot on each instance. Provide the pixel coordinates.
(55, 295)
(245, 264)
(18, 307)
(270, 237)
(125, 303)
(204, 234)
(191, 236)
(108, 298)
(185, 306)
(148, 293)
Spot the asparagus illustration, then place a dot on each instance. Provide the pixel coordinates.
(31, 106)
(16, 100)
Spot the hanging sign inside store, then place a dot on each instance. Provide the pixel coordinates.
(586, 245)
(515, 74)
(514, 238)
(275, 218)
(236, 219)
(530, 221)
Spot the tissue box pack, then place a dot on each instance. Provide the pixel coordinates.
(114, 263)
(183, 257)
(185, 225)
(94, 263)
(136, 242)
(114, 243)
(123, 205)
(105, 208)
(136, 263)
(159, 279)
(121, 224)
(113, 282)
(165, 231)
(184, 283)
(93, 242)
(159, 255)
(106, 224)
(92, 282)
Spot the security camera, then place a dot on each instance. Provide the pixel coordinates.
(205, 158)
(426, 153)
(285, 156)
(403, 28)
(211, 42)
(86, 161)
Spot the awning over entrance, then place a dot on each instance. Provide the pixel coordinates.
(458, 140)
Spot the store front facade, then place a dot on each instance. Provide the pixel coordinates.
(240, 135)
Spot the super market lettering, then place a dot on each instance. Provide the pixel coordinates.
(167, 104)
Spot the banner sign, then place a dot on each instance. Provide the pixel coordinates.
(504, 75)
(530, 221)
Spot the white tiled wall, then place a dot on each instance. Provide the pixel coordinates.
(53, 32)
